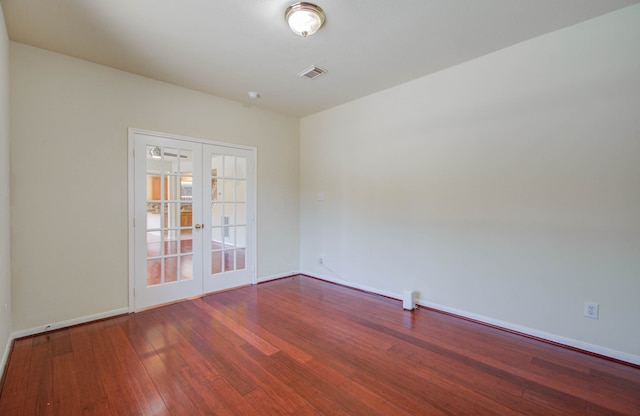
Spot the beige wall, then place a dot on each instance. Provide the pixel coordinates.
(506, 188)
(69, 178)
(5, 266)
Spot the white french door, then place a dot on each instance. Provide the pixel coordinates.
(227, 224)
(193, 218)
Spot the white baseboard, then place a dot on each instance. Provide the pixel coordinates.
(354, 285)
(70, 322)
(5, 356)
(569, 342)
(277, 276)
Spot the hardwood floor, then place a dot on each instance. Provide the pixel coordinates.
(300, 346)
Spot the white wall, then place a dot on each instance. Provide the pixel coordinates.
(5, 266)
(69, 178)
(506, 188)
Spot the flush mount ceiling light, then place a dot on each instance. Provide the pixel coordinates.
(304, 19)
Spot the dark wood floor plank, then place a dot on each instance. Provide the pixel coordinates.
(380, 345)
(178, 402)
(193, 371)
(281, 394)
(61, 342)
(427, 385)
(114, 376)
(308, 410)
(490, 387)
(188, 347)
(66, 395)
(322, 385)
(172, 393)
(517, 373)
(300, 346)
(147, 399)
(16, 378)
(618, 381)
(93, 399)
(252, 326)
(465, 398)
(265, 374)
(181, 376)
(39, 389)
(239, 328)
(263, 403)
(232, 400)
(217, 345)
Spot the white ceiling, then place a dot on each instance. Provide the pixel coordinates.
(230, 47)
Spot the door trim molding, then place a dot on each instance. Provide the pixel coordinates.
(132, 131)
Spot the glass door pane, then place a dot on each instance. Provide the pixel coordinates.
(194, 218)
(230, 189)
(169, 205)
(167, 201)
(228, 211)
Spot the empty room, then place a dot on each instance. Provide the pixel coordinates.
(362, 207)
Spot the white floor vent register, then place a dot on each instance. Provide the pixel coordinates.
(409, 300)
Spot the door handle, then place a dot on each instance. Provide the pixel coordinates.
(198, 226)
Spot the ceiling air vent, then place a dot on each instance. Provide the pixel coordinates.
(312, 72)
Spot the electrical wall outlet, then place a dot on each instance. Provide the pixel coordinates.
(591, 310)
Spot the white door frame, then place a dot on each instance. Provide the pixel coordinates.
(131, 199)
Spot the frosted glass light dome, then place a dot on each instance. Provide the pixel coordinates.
(304, 19)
